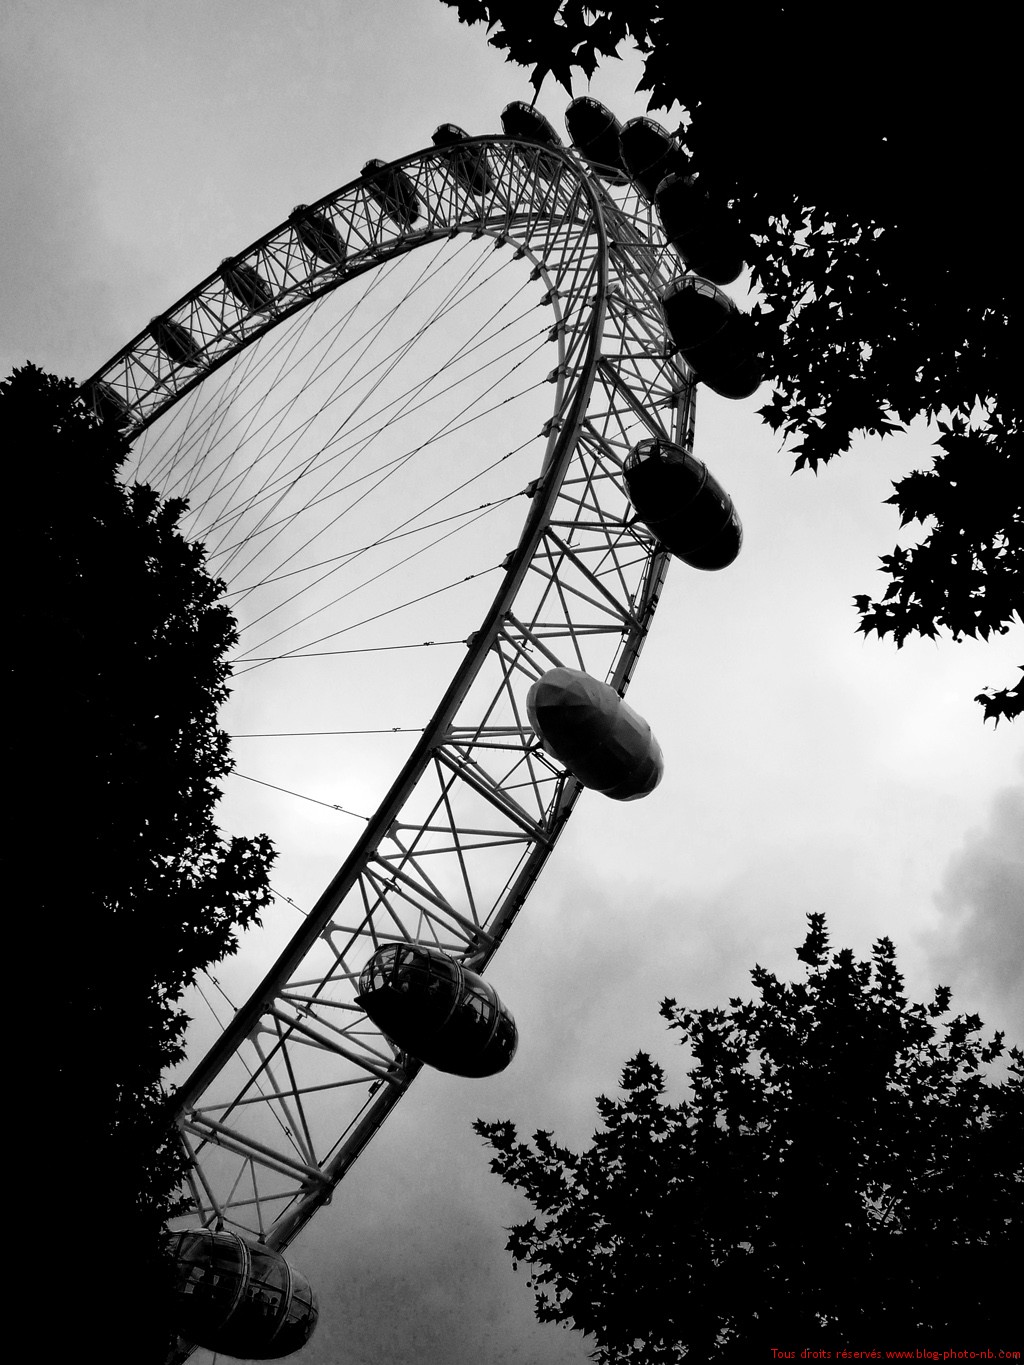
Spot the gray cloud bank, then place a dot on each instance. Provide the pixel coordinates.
(981, 952)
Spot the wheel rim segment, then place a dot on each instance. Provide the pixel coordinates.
(282, 1105)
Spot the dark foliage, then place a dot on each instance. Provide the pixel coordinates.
(843, 1175)
(116, 672)
(871, 165)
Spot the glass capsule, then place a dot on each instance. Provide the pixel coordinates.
(468, 164)
(714, 338)
(247, 285)
(238, 1297)
(595, 135)
(438, 1011)
(393, 191)
(705, 236)
(523, 121)
(317, 234)
(584, 724)
(176, 341)
(682, 504)
(649, 153)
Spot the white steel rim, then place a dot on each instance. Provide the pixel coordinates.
(278, 1110)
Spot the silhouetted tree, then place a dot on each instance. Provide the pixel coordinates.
(116, 670)
(842, 1175)
(871, 165)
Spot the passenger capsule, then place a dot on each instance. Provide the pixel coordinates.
(109, 406)
(649, 154)
(712, 335)
(176, 341)
(317, 234)
(595, 135)
(585, 725)
(247, 285)
(435, 1009)
(522, 121)
(393, 191)
(468, 164)
(682, 504)
(239, 1298)
(705, 235)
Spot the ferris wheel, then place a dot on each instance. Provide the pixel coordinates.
(446, 392)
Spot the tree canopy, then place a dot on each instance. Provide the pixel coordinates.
(844, 1173)
(870, 165)
(115, 676)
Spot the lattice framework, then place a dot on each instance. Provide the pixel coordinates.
(298, 1084)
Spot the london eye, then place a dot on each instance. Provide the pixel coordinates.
(435, 431)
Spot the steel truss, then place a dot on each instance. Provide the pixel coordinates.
(283, 1104)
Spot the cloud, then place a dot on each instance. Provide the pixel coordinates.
(409, 1260)
(982, 903)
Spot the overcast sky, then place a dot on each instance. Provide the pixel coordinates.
(807, 768)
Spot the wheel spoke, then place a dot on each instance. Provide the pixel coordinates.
(283, 424)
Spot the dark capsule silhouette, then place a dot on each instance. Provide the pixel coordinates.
(435, 1009)
(649, 154)
(317, 234)
(682, 504)
(584, 724)
(247, 285)
(393, 191)
(522, 121)
(714, 338)
(705, 235)
(468, 164)
(595, 135)
(176, 341)
(109, 406)
(239, 1298)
